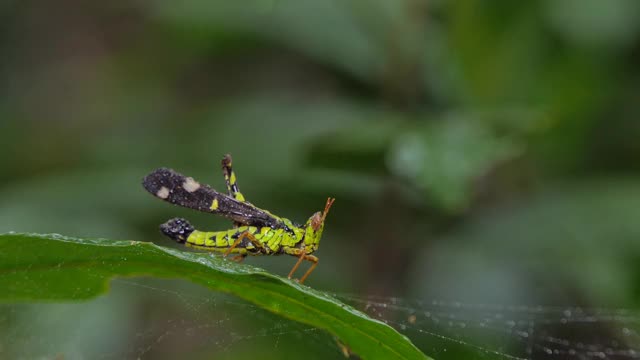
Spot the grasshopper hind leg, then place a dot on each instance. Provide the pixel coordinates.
(238, 241)
(230, 179)
(239, 258)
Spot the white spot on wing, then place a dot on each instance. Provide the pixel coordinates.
(191, 185)
(163, 193)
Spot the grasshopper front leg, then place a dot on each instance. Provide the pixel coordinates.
(302, 255)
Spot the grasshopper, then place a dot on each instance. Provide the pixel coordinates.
(255, 232)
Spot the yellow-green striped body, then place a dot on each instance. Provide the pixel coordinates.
(274, 241)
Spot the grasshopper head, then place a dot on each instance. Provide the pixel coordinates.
(314, 226)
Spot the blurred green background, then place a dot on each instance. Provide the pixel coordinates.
(483, 152)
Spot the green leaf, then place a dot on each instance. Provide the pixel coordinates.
(53, 267)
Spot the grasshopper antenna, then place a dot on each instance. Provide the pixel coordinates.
(326, 208)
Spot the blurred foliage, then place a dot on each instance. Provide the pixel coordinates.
(460, 138)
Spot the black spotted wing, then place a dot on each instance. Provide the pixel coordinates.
(184, 191)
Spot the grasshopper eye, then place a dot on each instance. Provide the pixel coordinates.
(316, 221)
(318, 218)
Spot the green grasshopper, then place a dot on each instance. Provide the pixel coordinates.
(255, 232)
